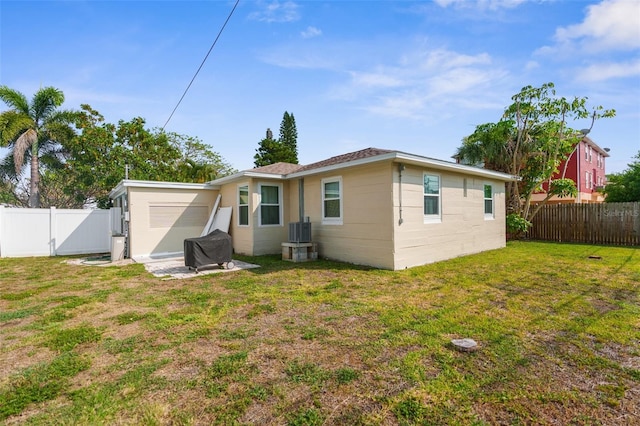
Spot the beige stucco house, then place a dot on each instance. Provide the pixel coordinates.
(377, 207)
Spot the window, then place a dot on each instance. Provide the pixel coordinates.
(587, 179)
(431, 191)
(488, 201)
(586, 151)
(243, 205)
(332, 201)
(270, 213)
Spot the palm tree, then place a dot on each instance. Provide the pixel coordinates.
(32, 130)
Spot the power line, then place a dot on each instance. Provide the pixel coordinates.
(202, 64)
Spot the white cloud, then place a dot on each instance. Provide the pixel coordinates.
(423, 79)
(276, 11)
(605, 71)
(375, 79)
(481, 4)
(531, 65)
(610, 25)
(311, 32)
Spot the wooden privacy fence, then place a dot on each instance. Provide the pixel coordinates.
(606, 223)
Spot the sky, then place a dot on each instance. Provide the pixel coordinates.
(404, 75)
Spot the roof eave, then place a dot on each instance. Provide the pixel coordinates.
(246, 174)
(411, 159)
(122, 186)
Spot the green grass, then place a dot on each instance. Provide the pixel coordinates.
(326, 343)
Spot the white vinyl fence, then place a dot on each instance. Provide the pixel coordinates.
(52, 232)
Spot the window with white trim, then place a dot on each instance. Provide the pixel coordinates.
(332, 201)
(431, 195)
(488, 201)
(270, 205)
(243, 205)
(587, 179)
(586, 151)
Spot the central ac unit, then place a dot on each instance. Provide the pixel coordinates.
(300, 232)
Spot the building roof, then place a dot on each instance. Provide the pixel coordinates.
(346, 158)
(364, 156)
(278, 168)
(595, 146)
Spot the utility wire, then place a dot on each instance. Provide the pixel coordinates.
(201, 65)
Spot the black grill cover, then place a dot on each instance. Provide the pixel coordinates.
(213, 248)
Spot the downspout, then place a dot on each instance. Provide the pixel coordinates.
(400, 169)
(301, 199)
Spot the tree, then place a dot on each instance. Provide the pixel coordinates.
(102, 154)
(289, 138)
(624, 187)
(31, 131)
(285, 149)
(530, 142)
(198, 163)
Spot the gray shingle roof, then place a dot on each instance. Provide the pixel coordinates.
(278, 168)
(286, 168)
(345, 158)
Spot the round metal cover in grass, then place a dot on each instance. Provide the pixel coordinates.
(464, 345)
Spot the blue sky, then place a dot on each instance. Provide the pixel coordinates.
(411, 76)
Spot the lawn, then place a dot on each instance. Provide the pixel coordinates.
(558, 328)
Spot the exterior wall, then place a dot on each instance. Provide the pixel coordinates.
(366, 233)
(269, 239)
(150, 237)
(242, 235)
(463, 228)
(255, 239)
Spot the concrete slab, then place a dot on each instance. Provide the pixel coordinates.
(173, 268)
(169, 268)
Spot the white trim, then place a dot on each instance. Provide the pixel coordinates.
(492, 215)
(432, 218)
(333, 220)
(397, 156)
(238, 205)
(123, 184)
(410, 159)
(280, 204)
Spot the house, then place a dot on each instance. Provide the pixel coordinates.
(377, 207)
(586, 167)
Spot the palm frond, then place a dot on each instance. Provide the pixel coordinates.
(45, 102)
(12, 124)
(23, 143)
(14, 99)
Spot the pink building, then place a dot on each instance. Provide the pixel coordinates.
(586, 167)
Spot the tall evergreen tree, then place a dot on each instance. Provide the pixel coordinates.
(285, 149)
(289, 137)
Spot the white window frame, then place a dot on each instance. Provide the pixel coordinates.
(240, 186)
(492, 215)
(260, 204)
(332, 220)
(432, 218)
